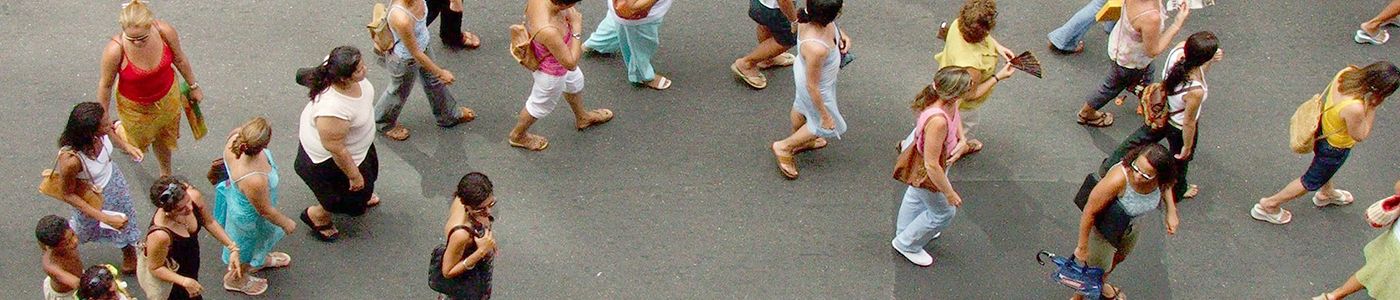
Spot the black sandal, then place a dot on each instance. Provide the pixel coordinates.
(316, 230)
(1117, 293)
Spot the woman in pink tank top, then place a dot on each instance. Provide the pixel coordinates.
(140, 64)
(937, 134)
(555, 25)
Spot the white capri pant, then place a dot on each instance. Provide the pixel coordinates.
(547, 90)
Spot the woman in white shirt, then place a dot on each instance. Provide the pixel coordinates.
(337, 158)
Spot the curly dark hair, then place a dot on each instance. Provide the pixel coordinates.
(977, 19)
(473, 189)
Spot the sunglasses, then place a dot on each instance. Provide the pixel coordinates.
(1140, 172)
(136, 39)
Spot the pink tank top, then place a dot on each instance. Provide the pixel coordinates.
(949, 142)
(549, 64)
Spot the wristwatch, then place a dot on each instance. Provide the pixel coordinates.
(577, 35)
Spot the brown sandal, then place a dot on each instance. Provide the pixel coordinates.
(470, 40)
(532, 142)
(816, 144)
(757, 81)
(398, 133)
(782, 60)
(604, 115)
(787, 166)
(467, 114)
(1101, 119)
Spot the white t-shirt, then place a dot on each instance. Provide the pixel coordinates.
(657, 12)
(331, 103)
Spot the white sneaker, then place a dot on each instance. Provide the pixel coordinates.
(1365, 38)
(920, 258)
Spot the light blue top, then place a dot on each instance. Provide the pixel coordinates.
(831, 68)
(1134, 203)
(420, 32)
(254, 234)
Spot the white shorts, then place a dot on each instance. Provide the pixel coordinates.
(49, 294)
(547, 90)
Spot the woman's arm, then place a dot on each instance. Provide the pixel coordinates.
(552, 37)
(814, 55)
(403, 27)
(68, 168)
(453, 264)
(1172, 220)
(107, 74)
(210, 223)
(182, 61)
(1188, 126)
(157, 250)
(1101, 197)
(256, 189)
(935, 132)
(1359, 119)
(333, 131)
(985, 86)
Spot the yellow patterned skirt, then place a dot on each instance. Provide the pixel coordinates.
(156, 124)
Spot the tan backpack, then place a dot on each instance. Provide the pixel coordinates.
(521, 48)
(379, 33)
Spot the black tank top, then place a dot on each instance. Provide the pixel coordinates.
(184, 254)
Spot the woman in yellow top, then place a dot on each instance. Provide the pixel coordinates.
(969, 44)
(1348, 112)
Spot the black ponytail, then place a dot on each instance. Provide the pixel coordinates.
(1200, 49)
(338, 67)
(821, 12)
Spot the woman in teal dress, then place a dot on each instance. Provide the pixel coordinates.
(245, 204)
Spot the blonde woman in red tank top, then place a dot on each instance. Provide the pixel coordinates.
(140, 63)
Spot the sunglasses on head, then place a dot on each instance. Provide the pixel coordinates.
(1140, 172)
(173, 191)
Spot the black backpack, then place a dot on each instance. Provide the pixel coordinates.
(472, 284)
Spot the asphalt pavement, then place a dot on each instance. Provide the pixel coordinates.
(679, 196)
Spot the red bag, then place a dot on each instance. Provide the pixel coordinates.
(1383, 212)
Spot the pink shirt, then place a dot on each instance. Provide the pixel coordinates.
(549, 64)
(949, 142)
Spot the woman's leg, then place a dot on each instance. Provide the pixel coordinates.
(1069, 35)
(1352, 285)
(606, 38)
(1291, 191)
(909, 208)
(925, 225)
(1390, 12)
(639, 44)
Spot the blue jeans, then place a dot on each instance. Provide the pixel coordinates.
(403, 72)
(922, 214)
(637, 43)
(1327, 159)
(1068, 36)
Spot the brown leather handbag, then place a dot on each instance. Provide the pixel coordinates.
(52, 184)
(909, 168)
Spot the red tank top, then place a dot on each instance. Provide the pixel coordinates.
(147, 86)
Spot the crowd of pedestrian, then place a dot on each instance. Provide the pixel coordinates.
(148, 72)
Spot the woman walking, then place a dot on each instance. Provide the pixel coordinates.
(636, 38)
(555, 24)
(1141, 34)
(815, 116)
(924, 213)
(336, 158)
(1069, 38)
(172, 242)
(140, 63)
(450, 30)
(245, 205)
(411, 59)
(1348, 111)
(465, 268)
(1372, 31)
(1380, 276)
(1185, 84)
(85, 161)
(1138, 184)
(775, 35)
(970, 45)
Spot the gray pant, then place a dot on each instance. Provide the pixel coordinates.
(1119, 78)
(404, 71)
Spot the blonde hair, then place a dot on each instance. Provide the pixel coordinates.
(252, 137)
(948, 84)
(135, 14)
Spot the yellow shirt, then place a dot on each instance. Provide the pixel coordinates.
(981, 56)
(1332, 121)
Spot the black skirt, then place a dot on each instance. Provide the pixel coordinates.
(332, 187)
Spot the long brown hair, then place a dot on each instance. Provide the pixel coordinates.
(1372, 84)
(949, 83)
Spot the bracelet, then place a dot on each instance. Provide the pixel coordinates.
(194, 86)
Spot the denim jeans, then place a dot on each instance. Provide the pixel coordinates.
(922, 214)
(1145, 136)
(404, 71)
(1068, 36)
(1327, 159)
(1119, 78)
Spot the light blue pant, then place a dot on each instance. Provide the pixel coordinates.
(637, 43)
(1068, 36)
(922, 214)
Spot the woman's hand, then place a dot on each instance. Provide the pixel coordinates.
(288, 225)
(1184, 155)
(136, 154)
(1080, 252)
(487, 242)
(118, 222)
(957, 152)
(575, 19)
(197, 95)
(192, 286)
(1172, 222)
(845, 43)
(235, 263)
(1005, 52)
(1005, 72)
(455, 5)
(954, 199)
(445, 76)
(1219, 55)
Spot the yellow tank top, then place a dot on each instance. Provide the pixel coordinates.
(1332, 122)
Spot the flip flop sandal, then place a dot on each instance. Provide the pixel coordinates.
(973, 146)
(317, 229)
(277, 260)
(1117, 294)
(1379, 38)
(470, 40)
(1191, 191)
(253, 287)
(663, 83)
(1104, 119)
(782, 60)
(757, 81)
(467, 114)
(398, 133)
(1341, 198)
(1282, 217)
(816, 144)
(1057, 50)
(786, 163)
(1323, 296)
(532, 143)
(606, 115)
(374, 201)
